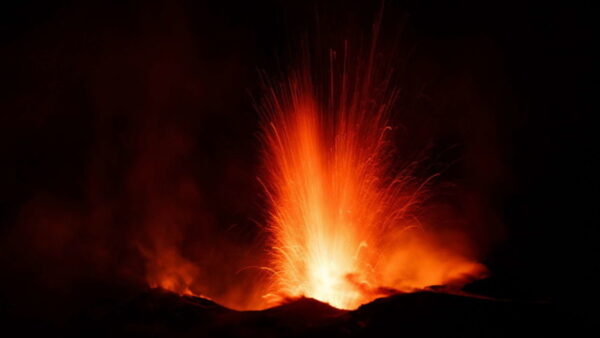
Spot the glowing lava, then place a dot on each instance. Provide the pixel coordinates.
(342, 220)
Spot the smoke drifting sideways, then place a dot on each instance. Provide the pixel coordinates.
(132, 156)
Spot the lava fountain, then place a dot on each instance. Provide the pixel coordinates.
(343, 218)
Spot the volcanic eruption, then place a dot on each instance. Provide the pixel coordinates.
(383, 173)
(344, 217)
(344, 208)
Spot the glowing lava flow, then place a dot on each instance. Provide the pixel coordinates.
(342, 222)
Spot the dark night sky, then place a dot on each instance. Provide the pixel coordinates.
(113, 110)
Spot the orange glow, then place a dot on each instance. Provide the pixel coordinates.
(171, 272)
(343, 221)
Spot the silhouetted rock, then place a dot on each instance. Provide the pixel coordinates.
(157, 313)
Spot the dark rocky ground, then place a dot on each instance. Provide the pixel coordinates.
(156, 313)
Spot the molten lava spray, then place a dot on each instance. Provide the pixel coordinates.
(342, 219)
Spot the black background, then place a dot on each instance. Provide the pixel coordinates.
(97, 95)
